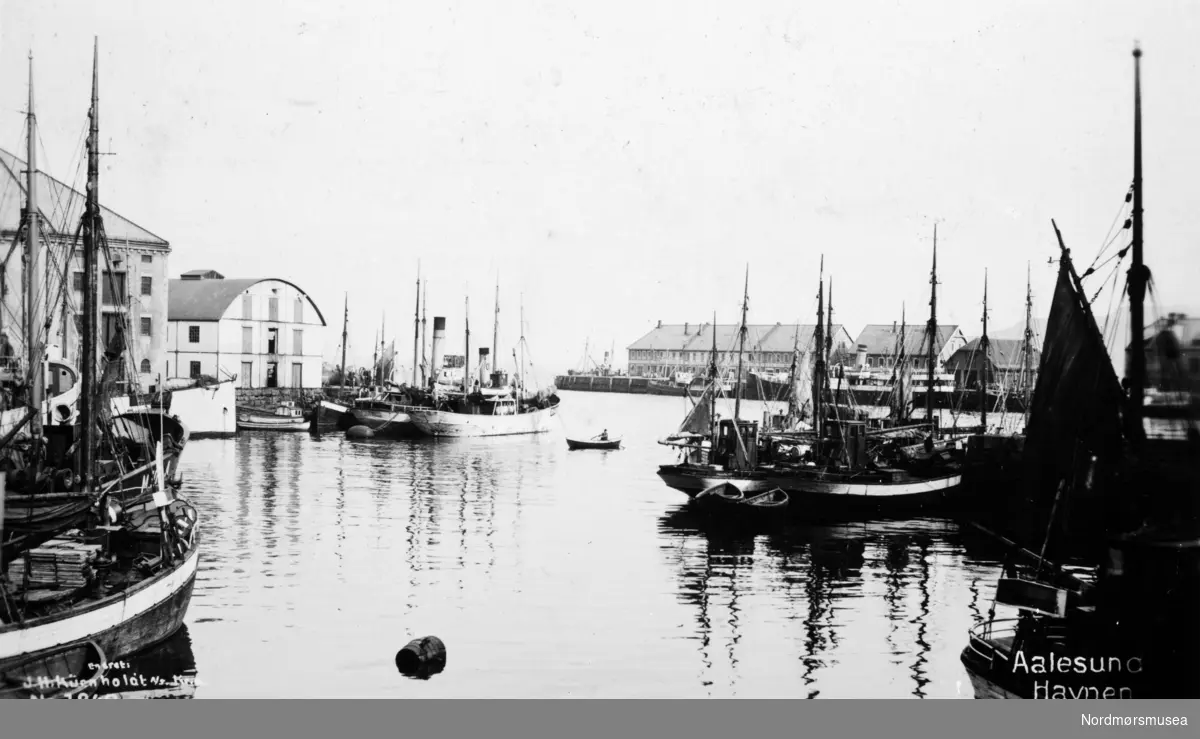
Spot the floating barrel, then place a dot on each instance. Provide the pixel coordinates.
(359, 432)
(422, 657)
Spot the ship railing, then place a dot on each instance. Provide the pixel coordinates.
(985, 637)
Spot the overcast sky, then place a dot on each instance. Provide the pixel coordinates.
(619, 163)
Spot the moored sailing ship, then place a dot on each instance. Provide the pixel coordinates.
(122, 579)
(838, 466)
(1100, 482)
(497, 408)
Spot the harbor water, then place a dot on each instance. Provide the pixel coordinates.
(552, 573)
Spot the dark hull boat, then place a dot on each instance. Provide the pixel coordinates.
(327, 415)
(846, 466)
(1098, 485)
(772, 503)
(720, 496)
(123, 578)
(73, 671)
(593, 444)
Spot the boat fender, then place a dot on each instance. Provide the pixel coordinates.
(422, 657)
(360, 432)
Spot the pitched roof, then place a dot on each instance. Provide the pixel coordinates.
(778, 337)
(881, 338)
(61, 207)
(207, 300)
(1006, 354)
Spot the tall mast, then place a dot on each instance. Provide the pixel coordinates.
(712, 365)
(712, 377)
(467, 349)
(792, 409)
(382, 346)
(932, 331)
(829, 340)
(417, 328)
(92, 226)
(35, 276)
(521, 374)
(829, 326)
(984, 345)
(375, 360)
(345, 326)
(819, 355)
(737, 403)
(1135, 370)
(1027, 350)
(496, 331)
(424, 314)
(900, 363)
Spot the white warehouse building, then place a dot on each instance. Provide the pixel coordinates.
(263, 332)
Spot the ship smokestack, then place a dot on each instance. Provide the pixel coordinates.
(860, 360)
(483, 368)
(439, 336)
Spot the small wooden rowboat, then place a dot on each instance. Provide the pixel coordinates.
(72, 671)
(593, 443)
(771, 502)
(723, 495)
(286, 417)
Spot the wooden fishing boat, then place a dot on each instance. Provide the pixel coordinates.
(327, 415)
(123, 579)
(73, 671)
(287, 416)
(772, 502)
(594, 443)
(843, 471)
(721, 495)
(387, 412)
(1095, 469)
(473, 413)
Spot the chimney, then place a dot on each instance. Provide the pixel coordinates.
(685, 328)
(439, 335)
(860, 360)
(893, 327)
(660, 323)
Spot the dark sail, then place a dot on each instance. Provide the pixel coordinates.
(700, 417)
(1074, 432)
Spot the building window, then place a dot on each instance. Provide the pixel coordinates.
(147, 282)
(193, 334)
(297, 375)
(247, 372)
(147, 259)
(273, 309)
(145, 369)
(272, 343)
(272, 374)
(78, 281)
(298, 342)
(1194, 365)
(247, 339)
(146, 326)
(299, 311)
(111, 280)
(248, 307)
(195, 370)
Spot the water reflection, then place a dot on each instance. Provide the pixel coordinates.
(823, 575)
(534, 562)
(165, 671)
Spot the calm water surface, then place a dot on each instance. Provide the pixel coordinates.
(550, 573)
